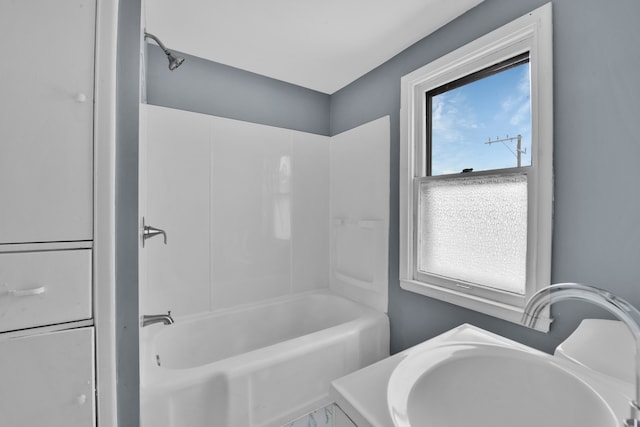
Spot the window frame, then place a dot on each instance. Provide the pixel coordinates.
(531, 33)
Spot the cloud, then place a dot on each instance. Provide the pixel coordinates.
(518, 106)
(452, 116)
(522, 114)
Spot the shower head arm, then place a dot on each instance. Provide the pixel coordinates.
(157, 40)
(174, 60)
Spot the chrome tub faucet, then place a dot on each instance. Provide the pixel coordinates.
(150, 319)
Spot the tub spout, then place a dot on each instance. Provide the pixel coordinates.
(150, 319)
(620, 308)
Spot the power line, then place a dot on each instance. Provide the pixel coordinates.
(519, 151)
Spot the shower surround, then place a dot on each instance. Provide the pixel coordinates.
(275, 268)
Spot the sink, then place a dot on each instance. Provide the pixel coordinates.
(487, 385)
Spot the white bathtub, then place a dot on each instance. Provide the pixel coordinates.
(255, 366)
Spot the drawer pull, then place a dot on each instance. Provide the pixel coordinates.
(26, 292)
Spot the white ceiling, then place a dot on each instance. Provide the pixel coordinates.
(319, 44)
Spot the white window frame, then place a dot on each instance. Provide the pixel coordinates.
(531, 33)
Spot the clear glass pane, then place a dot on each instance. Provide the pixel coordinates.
(474, 230)
(483, 125)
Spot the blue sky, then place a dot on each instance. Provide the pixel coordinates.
(465, 118)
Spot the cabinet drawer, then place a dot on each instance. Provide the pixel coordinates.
(44, 288)
(48, 380)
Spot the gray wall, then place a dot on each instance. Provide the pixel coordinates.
(596, 155)
(126, 259)
(208, 87)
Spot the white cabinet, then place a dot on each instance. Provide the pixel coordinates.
(46, 118)
(47, 380)
(47, 349)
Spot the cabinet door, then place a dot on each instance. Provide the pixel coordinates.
(46, 120)
(48, 380)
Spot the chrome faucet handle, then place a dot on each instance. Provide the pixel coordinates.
(633, 421)
(149, 231)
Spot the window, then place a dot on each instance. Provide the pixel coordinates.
(476, 172)
(465, 118)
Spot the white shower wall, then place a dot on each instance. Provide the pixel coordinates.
(359, 198)
(245, 208)
(254, 212)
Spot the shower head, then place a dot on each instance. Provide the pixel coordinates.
(174, 61)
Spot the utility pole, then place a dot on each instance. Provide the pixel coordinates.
(519, 150)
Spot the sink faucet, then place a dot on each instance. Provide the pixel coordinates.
(150, 319)
(620, 308)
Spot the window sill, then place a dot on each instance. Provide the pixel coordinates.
(472, 302)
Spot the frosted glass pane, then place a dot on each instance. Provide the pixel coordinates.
(475, 230)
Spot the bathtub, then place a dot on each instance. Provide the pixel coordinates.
(259, 365)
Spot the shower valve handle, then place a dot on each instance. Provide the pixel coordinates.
(149, 231)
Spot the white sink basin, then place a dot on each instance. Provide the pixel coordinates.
(485, 385)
